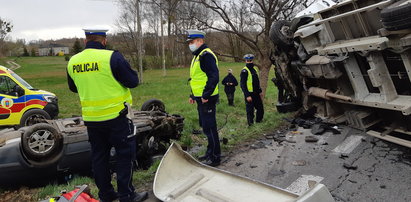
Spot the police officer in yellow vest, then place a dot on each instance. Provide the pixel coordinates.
(103, 79)
(250, 84)
(204, 77)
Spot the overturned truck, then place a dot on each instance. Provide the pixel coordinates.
(351, 62)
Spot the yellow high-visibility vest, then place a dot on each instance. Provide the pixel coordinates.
(198, 77)
(250, 78)
(102, 97)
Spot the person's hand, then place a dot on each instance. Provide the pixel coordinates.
(249, 99)
(261, 96)
(231, 84)
(191, 101)
(204, 100)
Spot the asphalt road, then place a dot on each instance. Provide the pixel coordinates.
(353, 165)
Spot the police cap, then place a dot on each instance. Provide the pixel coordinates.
(193, 34)
(95, 31)
(248, 57)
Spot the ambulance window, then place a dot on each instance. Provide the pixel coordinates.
(3, 85)
(22, 81)
(7, 86)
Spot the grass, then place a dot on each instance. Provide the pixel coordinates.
(49, 73)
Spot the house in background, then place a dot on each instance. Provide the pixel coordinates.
(53, 49)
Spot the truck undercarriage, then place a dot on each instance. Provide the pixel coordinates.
(351, 62)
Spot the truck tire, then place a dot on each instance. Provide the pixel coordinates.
(397, 16)
(42, 145)
(153, 105)
(33, 116)
(280, 34)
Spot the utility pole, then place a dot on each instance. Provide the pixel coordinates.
(163, 58)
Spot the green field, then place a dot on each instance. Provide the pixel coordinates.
(48, 73)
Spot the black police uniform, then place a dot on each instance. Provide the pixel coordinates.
(230, 89)
(207, 111)
(256, 102)
(104, 135)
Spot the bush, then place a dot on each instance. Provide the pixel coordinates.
(67, 58)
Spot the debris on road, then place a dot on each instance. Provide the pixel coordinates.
(192, 181)
(350, 166)
(299, 163)
(311, 138)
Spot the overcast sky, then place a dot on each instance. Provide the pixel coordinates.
(54, 19)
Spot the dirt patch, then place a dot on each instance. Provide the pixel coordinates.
(23, 194)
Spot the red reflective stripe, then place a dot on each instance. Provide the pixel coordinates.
(17, 107)
(4, 111)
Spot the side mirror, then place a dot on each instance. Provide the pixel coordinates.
(19, 91)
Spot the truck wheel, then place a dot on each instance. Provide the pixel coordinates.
(153, 105)
(280, 34)
(42, 144)
(397, 16)
(34, 116)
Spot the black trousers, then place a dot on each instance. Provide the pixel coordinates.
(207, 117)
(102, 139)
(250, 107)
(230, 98)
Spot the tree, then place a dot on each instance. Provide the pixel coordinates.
(33, 52)
(250, 21)
(5, 28)
(129, 24)
(25, 52)
(77, 48)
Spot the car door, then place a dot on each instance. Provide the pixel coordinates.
(10, 102)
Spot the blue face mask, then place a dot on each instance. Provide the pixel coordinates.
(193, 47)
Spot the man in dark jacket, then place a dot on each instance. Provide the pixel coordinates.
(103, 79)
(204, 77)
(230, 82)
(250, 84)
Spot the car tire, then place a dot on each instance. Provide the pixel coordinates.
(153, 105)
(42, 145)
(32, 117)
(280, 33)
(397, 16)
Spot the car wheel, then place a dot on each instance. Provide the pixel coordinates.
(153, 105)
(34, 116)
(42, 144)
(397, 16)
(281, 34)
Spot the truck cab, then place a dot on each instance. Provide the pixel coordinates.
(21, 104)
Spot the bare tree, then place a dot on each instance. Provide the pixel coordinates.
(129, 24)
(250, 21)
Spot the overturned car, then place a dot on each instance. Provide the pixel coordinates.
(40, 152)
(351, 62)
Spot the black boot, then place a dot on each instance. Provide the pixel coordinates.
(140, 196)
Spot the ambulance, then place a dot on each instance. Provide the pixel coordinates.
(21, 104)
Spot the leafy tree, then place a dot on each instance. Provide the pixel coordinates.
(77, 48)
(33, 52)
(26, 53)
